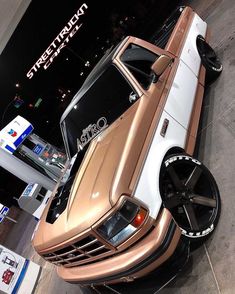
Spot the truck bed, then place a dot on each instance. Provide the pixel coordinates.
(162, 35)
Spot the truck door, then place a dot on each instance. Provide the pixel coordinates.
(181, 95)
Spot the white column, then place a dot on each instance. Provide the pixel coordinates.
(23, 171)
(11, 12)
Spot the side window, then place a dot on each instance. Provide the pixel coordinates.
(139, 61)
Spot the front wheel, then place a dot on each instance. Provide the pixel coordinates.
(191, 194)
(209, 59)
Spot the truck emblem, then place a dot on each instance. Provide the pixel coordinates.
(91, 132)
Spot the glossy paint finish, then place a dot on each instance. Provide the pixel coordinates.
(126, 160)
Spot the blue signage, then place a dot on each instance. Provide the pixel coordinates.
(3, 212)
(38, 149)
(25, 134)
(28, 190)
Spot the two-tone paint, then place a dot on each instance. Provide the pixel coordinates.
(126, 159)
(177, 111)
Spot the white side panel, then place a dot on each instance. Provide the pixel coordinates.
(147, 189)
(29, 282)
(177, 110)
(189, 53)
(181, 96)
(38, 213)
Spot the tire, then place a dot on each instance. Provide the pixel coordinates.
(190, 192)
(209, 59)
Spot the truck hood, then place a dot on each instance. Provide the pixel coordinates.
(104, 175)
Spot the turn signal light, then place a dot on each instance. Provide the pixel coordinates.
(139, 218)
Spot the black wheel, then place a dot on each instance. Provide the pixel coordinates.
(190, 192)
(209, 59)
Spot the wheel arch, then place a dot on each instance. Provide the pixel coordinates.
(212, 64)
(199, 41)
(174, 150)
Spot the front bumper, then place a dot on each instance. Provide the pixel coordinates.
(143, 257)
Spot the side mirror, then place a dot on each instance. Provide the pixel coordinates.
(160, 65)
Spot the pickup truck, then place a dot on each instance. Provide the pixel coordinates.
(134, 193)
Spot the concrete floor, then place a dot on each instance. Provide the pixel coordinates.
(212, 268)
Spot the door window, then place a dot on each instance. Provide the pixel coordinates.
(139, 60)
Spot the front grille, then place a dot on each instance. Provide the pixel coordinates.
(81, 252)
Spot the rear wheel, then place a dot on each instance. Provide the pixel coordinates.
(190, 192)
(209, 59)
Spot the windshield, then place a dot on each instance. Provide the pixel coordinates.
(109, 97)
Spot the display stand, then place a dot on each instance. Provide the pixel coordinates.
(34, 199)
(17, 274)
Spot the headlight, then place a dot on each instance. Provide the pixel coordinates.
(123, 223)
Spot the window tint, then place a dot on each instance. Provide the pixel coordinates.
(139, 61)
(109, 97)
